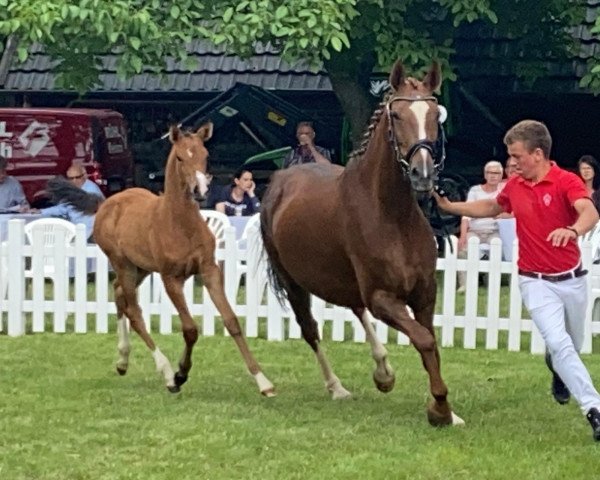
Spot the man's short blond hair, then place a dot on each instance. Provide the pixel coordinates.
(532, 134)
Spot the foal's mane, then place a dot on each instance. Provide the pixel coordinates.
(358, 152)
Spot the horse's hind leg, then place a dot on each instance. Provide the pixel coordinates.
(123, 342)
(174, 288)
(300, 301)
(213, 281)
(383, 375)
(126, 283)
(392, 310)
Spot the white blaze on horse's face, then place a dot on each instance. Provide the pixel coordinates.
(202, 183)
(420, 110)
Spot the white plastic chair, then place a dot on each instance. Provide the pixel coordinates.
(217, 222)
(49, 227)
(242, 267)
(593, 236)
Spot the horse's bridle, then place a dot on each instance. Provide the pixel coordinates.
(437, 149)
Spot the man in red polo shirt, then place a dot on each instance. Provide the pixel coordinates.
(552, 208)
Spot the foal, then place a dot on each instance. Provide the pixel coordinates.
(142, 233)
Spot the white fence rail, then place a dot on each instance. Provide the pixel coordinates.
(79, 298)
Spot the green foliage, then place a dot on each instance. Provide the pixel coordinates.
(143, 33)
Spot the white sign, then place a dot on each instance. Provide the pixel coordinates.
(3, 132)
(34, 138)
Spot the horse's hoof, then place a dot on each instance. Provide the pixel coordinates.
(384, 384)
(173, 388)
(269, 393)
(180, 379)
(439, 417)
(121, 370)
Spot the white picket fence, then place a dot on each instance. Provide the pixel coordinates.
(73, 306)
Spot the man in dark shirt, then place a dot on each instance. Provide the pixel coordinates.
(306, 151)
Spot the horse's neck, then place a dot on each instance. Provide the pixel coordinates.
(382, 175)
(177, 196)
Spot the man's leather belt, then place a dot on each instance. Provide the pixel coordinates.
(561, 277)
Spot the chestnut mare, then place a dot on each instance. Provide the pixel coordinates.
(142, 233)
(356, 236)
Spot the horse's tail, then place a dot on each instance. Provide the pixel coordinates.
(275, 270)
(61, 190)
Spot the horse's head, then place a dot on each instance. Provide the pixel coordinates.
(191, 156)
(414, 126)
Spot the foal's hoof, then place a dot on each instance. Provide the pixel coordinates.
(180, 379)
(173, 388)
(269, 393)
(121, 370)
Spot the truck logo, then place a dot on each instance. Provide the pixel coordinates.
(34, 138)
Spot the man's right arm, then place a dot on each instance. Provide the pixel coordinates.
(477, 208)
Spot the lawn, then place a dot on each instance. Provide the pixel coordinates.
(65, 414)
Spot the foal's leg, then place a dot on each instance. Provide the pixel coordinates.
(126, 299)
(392, 310)
(123, 342)
(300, 302)
(213, 280)
(174, 288)
(383, 375)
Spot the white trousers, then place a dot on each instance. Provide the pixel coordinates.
(558, 311)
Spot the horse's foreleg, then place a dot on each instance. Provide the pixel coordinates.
(392, 310)
(174, 288)
(383, 375)
(213, 281)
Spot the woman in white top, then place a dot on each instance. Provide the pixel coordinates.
(484, 228)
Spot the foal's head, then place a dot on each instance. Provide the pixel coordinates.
(414, 129)
(191, 156)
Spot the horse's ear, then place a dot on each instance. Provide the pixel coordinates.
(397, 75)
(174, 133)
(433, 79)
(205, 131)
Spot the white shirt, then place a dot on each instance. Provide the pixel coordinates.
(486, 223)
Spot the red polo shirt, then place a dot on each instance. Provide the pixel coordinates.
(540, 208)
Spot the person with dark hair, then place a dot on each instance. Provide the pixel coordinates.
(239, 198)
(12, 197)
(306, 151)
(589, 171)
(552, 208)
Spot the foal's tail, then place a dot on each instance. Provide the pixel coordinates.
(275, 270)
(61, 190)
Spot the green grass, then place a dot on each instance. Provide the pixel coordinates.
(65, 414)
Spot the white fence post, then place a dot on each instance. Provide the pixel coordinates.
(16, 284)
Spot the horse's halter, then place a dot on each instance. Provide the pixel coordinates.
(437, 149)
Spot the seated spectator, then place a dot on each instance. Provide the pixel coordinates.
(306, 151)
(239, 198)
(77, 198)
(483, 228)
(12, 197)
(510, 169)
(589, 171)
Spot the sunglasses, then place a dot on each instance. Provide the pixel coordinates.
(76, 178)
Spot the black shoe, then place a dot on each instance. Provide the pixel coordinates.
(593, 416)
(559, 390)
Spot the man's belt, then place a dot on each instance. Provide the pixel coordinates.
(560, 277)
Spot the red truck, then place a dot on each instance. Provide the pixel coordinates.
(41, 143)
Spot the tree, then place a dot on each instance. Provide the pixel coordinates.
(351, 38)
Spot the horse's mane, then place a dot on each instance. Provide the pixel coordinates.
(358, 152)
